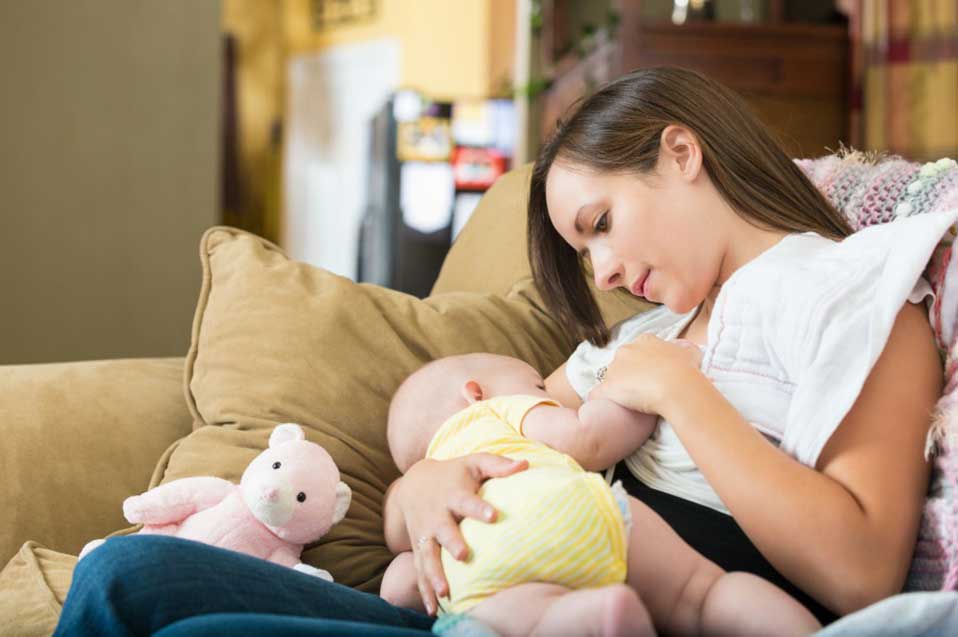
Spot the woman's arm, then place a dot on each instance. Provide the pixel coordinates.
(844, 531)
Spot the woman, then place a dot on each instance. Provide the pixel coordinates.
(664, 184)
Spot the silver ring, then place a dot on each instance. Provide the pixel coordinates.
(423, 540)
(600, 373)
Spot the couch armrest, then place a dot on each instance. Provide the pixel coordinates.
(78, 438)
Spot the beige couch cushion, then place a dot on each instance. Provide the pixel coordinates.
(276, 340)
(33, 585)
(78, 438)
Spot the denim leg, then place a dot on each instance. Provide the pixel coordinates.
(137, 584)
(219, 624)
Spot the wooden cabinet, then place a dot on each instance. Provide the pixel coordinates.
(794, 75)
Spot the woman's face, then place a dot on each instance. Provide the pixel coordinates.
(632, 228)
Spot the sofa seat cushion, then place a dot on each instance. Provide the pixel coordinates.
(33, 585)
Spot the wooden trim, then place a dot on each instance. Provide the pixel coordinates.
(736, 30)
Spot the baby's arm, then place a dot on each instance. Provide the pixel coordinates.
(597, 436)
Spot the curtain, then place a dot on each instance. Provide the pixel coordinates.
(905, 77)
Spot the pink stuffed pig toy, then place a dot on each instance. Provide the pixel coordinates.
(289, 495)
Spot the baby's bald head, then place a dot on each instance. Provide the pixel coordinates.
(439, 389)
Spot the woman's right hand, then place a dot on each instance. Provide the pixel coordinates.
(434, 495)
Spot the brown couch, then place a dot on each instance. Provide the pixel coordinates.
(273, 341)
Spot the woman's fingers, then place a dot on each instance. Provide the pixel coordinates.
(426, 591)
(432, 568)
(470, 505)
(450, 538)
(432, 523)
(487, 465)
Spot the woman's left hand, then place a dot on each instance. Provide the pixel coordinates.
(649, 371)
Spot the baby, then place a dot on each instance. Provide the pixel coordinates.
(557, 557)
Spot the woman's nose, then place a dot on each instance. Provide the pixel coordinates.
(608, 274)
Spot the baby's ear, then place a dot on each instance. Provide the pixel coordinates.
(472, 391)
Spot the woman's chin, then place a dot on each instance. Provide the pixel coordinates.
(678, 306)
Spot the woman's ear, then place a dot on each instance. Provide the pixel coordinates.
(680, 150)
(472, 391)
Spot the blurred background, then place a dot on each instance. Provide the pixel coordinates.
(359, 134)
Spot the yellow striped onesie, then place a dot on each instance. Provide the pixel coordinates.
(557, 523)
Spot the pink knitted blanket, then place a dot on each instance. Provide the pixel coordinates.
(870, 190)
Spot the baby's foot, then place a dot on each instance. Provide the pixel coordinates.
(624, 613)
(609, 611)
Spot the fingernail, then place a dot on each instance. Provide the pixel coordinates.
(488, 513)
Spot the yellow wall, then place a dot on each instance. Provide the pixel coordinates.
(502, 46)
(450, 49)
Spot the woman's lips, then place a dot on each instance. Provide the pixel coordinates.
(639, 288)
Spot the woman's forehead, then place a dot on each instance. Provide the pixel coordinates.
(565, 177)
(568, 190)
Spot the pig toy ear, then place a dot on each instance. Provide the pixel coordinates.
(343, 497)
(287, 432)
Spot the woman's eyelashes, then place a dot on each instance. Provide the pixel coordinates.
(602, 223)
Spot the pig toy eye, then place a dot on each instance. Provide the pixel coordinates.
(276, 465)
(301, 497)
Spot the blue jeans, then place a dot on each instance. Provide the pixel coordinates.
(170, 587)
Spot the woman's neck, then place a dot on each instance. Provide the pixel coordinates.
(749, 243)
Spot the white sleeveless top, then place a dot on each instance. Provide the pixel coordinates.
(793, 336)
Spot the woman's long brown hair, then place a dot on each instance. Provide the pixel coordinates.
(617, 130)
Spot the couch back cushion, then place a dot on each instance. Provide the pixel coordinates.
(276, 340)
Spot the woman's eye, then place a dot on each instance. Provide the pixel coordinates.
(602, 223)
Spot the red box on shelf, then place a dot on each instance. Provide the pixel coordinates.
(477, 168)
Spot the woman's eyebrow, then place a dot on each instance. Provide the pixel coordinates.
(578, 218)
